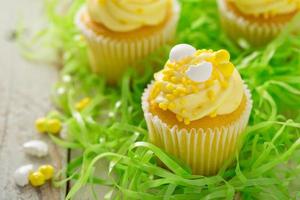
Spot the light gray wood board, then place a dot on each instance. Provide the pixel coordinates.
(24, 96)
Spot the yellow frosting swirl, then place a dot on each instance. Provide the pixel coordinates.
(221, 93)
(265, 7)
(128, 15)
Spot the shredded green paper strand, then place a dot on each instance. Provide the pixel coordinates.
(112, 127)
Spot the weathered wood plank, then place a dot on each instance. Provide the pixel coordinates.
(24, 96)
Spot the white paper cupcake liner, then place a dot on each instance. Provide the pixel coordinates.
(111, 57)
(237, 27)
(204, 150)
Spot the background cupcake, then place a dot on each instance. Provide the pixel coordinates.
(120, 33)
(197, 108)
(257, 21)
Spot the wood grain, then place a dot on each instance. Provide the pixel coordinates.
(24, 96)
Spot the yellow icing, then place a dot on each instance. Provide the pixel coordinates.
(189, 100)
(267, 7)
(128, 15)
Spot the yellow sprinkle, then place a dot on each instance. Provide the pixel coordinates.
(175, 92)
(184, 80)
(182, 89)
(213, 114)
(187, 121)
(170, 96)
(195, 88)
(53, 126)
(171, 106)
(40, 125)
(47, 171)
(168, 72)
(171, 65)
(209, 83)
(183, 111)
(170, 86)
(222, 56)
(166, 78)
(174, 79)
(226, 69)
(179, 118)
(224, 84)
(155, 91)
(82, 103)
(163, 106)
(153, 102)
(37, 179)
(198, 52)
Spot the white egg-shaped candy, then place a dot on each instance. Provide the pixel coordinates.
(21, 175)
(200, 72)
(180, 51)
(36, 148)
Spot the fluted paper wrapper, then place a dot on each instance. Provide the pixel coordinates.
(238, 27)
(204, 150)
(111, 56)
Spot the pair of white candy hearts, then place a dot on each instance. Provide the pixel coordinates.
(198, 73)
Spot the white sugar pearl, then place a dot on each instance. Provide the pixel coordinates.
(21, 175)
(200, 72)
(180, 51)
(36, 148)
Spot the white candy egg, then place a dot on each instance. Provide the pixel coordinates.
(21, 175)
(36, 148)
(180, 51)
(200, 72)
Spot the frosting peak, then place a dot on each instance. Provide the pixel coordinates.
(267, 7)
(199, 84)
(128, 15)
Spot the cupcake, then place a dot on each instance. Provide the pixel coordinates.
(197, 108)
(257, 21)
(121, 33)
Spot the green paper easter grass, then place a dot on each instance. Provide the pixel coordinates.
(112, 127)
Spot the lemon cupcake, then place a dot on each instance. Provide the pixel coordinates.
(257, 21)
(120, 33)
(197, 108)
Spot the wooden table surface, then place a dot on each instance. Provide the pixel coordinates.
(25, 96)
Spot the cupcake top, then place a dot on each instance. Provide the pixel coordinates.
(197, 83)
(128, 15)
(267, 7)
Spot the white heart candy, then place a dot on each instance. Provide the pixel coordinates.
(180, 51)
(200, 72)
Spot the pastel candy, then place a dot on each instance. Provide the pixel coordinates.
(200, 72)
(21, 175)
(36, 148)
(181, 51)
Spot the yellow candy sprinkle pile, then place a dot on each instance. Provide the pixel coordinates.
(52, 126)
(177, 84)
